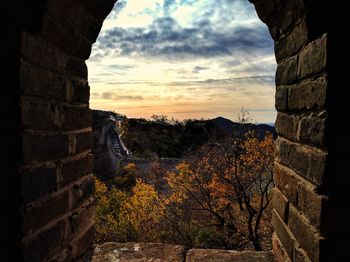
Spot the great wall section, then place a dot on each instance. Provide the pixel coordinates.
(109, 149)
(48, 167)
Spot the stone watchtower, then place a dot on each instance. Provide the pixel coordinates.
(47, 185)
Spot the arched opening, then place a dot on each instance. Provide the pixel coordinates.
(51, 165)
(185, 60)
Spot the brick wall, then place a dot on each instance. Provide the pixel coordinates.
(47, 169)
(311, 190)
(57, 208)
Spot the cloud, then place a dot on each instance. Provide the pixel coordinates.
(197, 69)
(166, 39)
(214, 54)
(268, 80)
(167, 6)
(116, 96)
(232, 82)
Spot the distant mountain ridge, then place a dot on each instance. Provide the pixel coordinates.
(164, 138)
(232, 128)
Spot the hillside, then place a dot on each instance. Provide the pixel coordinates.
(146, 138)
(230, 127)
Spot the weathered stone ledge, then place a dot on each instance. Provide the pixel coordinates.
(158, 252)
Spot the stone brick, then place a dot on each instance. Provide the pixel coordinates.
(313, 58)
(213, 255)
(77, 17)
(308, 95)
(306, 161)
(39, 214)
(301, 256)
(306, 234)
(76, 67)
(279, 253)
(287, 14)
(281, 98)
(284, 235)
(300, 193)
(64, 36)
(36, 81)
(308, 129)
(82, 243)
(49, 56)
(40, 115)
(79, 91)
(310, 203)
(73, 170)
(83, 218)
(287, 125)
(38, 181)
(286, 183)
(39, 148)
(287, 71)
(313, 129)
(280, 204)
(46, 243)
(292, 43)
(265, 9)
(83, 141)
(82, 191)
(76, 118)
(132, 251)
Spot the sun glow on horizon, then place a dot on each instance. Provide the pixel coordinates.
(185, 59)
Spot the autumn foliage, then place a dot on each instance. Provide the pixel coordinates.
(217, 198)
(227, 184)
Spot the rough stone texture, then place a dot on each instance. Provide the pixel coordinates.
(55, 164)
(306, 234)
(287, 71)
(48, 127)
(308, 95)
(312, 148)
(278, 250)
(308, 129)
(138, 252)
(307, 161)
(313, 58)
(280, 204)
(291, 44)
(157, 252)
(215, 255)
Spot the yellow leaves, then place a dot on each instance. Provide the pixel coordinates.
(110, 223)
(145, 211)
(209, 188)
(128, 217)
(100, 188)
(130, 168)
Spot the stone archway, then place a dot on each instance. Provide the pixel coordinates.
(50, 160)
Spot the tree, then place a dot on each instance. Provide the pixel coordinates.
(145, 212)
(228, 184)
(111, 224)
(125, 176)
(122, 216)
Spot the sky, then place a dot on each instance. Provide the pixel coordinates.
(184, 59)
